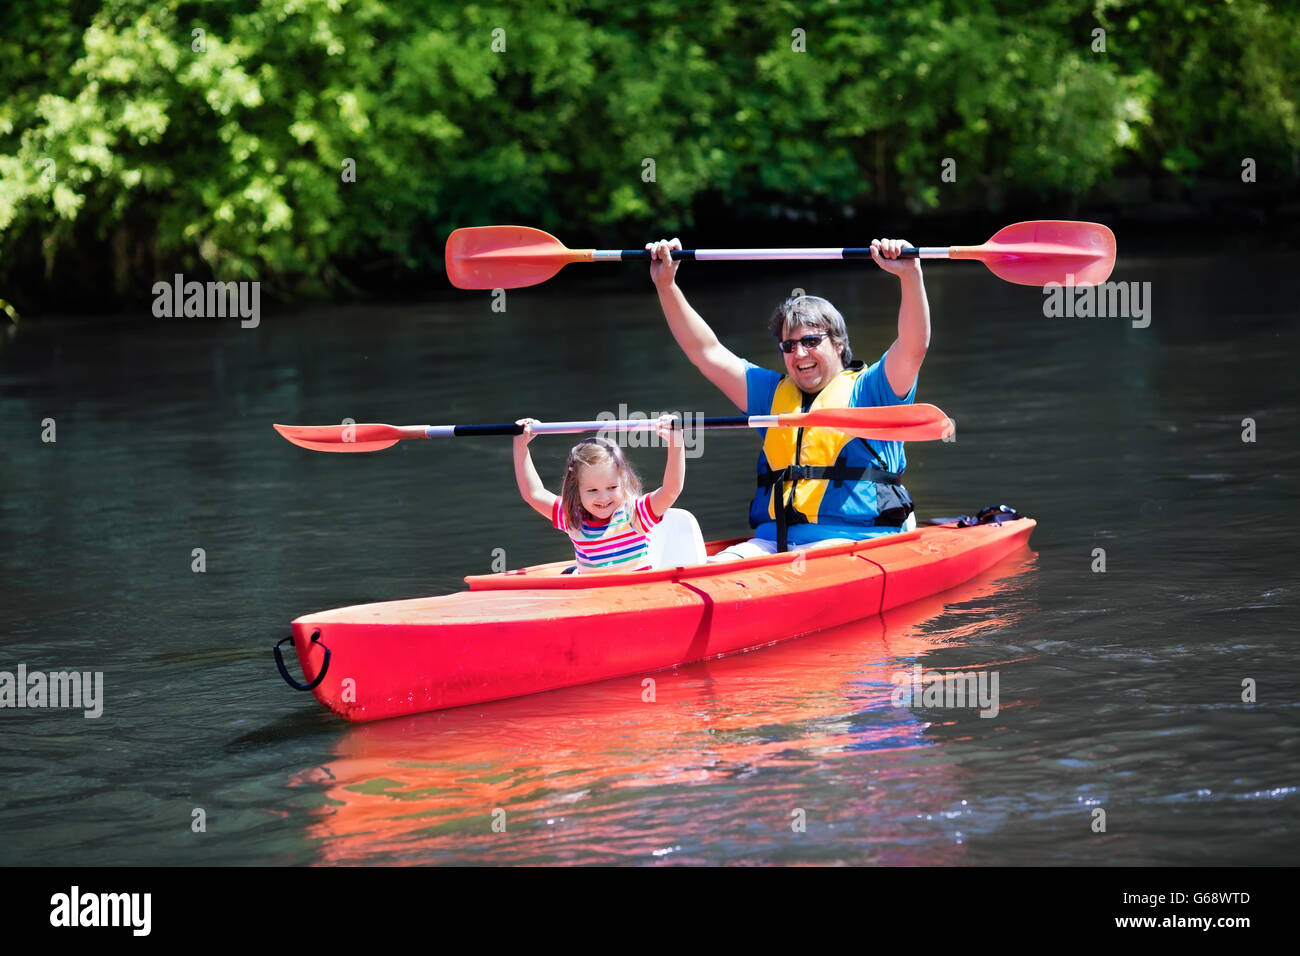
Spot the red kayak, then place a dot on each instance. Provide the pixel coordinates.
(537, 629)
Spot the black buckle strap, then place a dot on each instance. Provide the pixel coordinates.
(779, 508)
(836, 473)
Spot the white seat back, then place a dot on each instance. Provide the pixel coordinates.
(676, 541)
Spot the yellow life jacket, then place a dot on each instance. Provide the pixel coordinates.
(822, 474)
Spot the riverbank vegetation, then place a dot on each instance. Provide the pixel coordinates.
(329, 146)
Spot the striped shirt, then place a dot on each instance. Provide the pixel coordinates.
(621, 544)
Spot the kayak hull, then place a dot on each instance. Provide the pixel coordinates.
(533, 630)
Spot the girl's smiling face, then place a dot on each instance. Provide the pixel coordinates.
(600, 490)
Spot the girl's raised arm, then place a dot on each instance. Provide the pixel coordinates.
(662, 498)
(530, 485)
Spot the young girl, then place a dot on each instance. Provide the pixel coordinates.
(600, 505)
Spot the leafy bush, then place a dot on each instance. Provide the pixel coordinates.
(138, 139)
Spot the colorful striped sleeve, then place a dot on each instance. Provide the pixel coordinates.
(557, 516)
(645, 515)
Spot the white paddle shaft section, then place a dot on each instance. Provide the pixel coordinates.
(706, 255)
(555, 428)
(568, 428)
(740, 255)
(724, 254)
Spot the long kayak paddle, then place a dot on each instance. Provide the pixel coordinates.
(886, 423)
(1026, 253)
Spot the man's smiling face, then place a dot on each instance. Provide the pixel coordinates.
(811, 369)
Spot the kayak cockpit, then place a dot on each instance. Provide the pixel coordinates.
(548, 576)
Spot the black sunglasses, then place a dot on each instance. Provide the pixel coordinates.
(809, 342)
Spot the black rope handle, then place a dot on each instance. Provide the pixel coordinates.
(279, 662)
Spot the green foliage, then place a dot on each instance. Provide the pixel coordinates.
(125, 140)
(1225, 82)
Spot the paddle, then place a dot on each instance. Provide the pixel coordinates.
(887, 423)
(1026, 253)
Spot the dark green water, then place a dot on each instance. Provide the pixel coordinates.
(1120, 690)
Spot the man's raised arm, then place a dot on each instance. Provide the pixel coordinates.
(719, 364)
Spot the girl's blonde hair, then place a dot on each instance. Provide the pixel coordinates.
(594, 451)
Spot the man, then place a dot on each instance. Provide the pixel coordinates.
(816, 486)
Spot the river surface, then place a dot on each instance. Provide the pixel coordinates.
(1121, 691)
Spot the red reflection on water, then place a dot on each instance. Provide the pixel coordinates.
(598, 774)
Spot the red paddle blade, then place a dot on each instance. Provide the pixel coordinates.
(1047, 250)
(344, 438)
(506, 257)
(886, 423)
